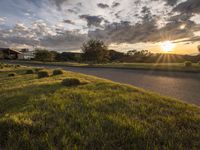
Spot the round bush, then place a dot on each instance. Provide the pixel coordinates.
(188, 64)
(71, 82)
(30, 71)
(12, 74)
(43, 74)
(57, 72)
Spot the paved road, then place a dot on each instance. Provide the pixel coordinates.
(181, 85)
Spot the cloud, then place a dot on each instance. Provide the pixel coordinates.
(171, 2)
(40, 34)
(58, 3)
(69, 40)
(191, 40)
(145, 31)
(69, 22)
(103, 6)
(115, 4)
(190, 6)
(2, 20)
(130, 21)
(72, 11)
(92, 20)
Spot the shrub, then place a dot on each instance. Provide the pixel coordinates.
(43, 74)
(30, 71)
(12, 74)
(7, 65)
(57, 72)
(1, 66)
(71, 82)
(188, 64)
(38, 69)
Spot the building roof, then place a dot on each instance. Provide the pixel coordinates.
(4, 49)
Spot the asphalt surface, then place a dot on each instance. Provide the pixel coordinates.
(180, 85)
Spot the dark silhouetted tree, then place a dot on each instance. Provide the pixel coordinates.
(44, 55)
(95, 51)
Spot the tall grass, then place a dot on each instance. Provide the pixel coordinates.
(44, 114)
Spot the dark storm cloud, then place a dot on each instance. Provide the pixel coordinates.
(92, 20)
(146, 31)
(103, 6)
(69, 22)
(123, 32)
(190, 6)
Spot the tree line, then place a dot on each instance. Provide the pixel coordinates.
(95, 51)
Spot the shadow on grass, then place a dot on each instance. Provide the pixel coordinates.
(16, 99)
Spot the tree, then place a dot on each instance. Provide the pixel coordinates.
(95, 51)
(44, 55)
(69, 56)
(131, 52)
(115, 56)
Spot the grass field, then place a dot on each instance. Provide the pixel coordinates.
(147, 66)
(100, 114)
(152, 66)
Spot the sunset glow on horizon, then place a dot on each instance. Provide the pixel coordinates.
(167, 46)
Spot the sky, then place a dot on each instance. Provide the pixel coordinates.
(64, 25)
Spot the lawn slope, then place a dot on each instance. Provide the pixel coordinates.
(44, 114)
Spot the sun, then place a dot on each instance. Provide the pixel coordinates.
(167, 46)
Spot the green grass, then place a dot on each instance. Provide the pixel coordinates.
(147, 66)
(153, 66)
(44, 114)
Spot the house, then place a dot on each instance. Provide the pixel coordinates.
(7, 53)
(27, 55)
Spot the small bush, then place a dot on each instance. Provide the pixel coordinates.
(71, 82)
(30, 71)
(188, 64)
(38, 69)
(12, 74)
(43, 74)
(57, 72)
(1, 66)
